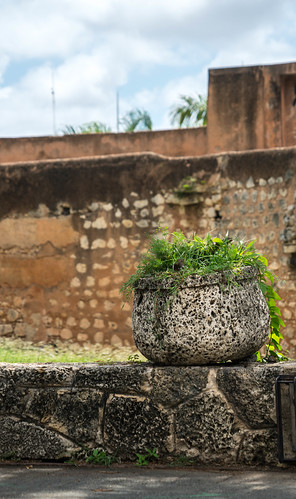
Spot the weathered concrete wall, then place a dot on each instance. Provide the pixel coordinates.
(182, 142)
(216, 415)
(72, 231)
(251, 108)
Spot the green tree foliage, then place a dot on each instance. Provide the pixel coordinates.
(137, 119)
(190, 112)
(91, 127)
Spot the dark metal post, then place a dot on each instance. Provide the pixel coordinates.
(285, 390)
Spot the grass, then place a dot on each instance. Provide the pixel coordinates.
(19, 351)
(176, 257)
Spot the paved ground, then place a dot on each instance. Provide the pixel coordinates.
(59, 482)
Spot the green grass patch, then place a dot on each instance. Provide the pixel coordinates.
(19, 351)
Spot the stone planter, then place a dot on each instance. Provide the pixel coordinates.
(206, 322)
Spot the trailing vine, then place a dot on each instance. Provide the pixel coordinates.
(273, 347)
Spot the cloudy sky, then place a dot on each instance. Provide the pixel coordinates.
(147, 51)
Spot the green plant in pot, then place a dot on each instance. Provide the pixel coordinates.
(201, 301)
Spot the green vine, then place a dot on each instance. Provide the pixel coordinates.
(273, 347)
(176, 257)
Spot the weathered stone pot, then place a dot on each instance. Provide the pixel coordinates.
(207, 321)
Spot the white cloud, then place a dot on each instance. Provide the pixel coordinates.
(4, 61)
(42, 29)
(153, 51)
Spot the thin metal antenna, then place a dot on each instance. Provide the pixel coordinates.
(53, 103)
(117, 111)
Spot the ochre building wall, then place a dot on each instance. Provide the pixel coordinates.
(181, 142)
(251, 108)
(72, 231)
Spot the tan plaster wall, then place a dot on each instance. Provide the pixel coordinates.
(73, 231)
(29, 230)
(181, 142)
(245, 108)
(235, 114)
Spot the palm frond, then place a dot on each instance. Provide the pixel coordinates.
(192, 111)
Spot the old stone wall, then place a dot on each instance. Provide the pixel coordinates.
(72, 231)
(214, 415)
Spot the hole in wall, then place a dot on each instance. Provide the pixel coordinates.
(292, 261)
(217, 215)
(65, 210)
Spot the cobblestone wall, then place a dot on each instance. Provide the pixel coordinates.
(214, 415)
(72, 231)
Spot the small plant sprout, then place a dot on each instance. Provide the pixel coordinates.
(134, 358)
(175, 256)
(99, 456)
(182, 460)
(147, 458)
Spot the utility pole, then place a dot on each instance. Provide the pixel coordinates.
(53, 103)
(117, 111)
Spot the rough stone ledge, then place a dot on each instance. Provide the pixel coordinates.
(223, 414)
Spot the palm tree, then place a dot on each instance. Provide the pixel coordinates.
(191, 112)
(91, 127)
(137, 119)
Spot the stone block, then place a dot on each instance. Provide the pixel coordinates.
(5, 329)
(117, 378)
(12, 315)
(134, 424)
(172, 385)
(258, 448)
(187, 200)
(38, 374)
(289, 248)
(206, 428)
(13, 400)
(251, 390)
(72, 413)
(20, 439)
